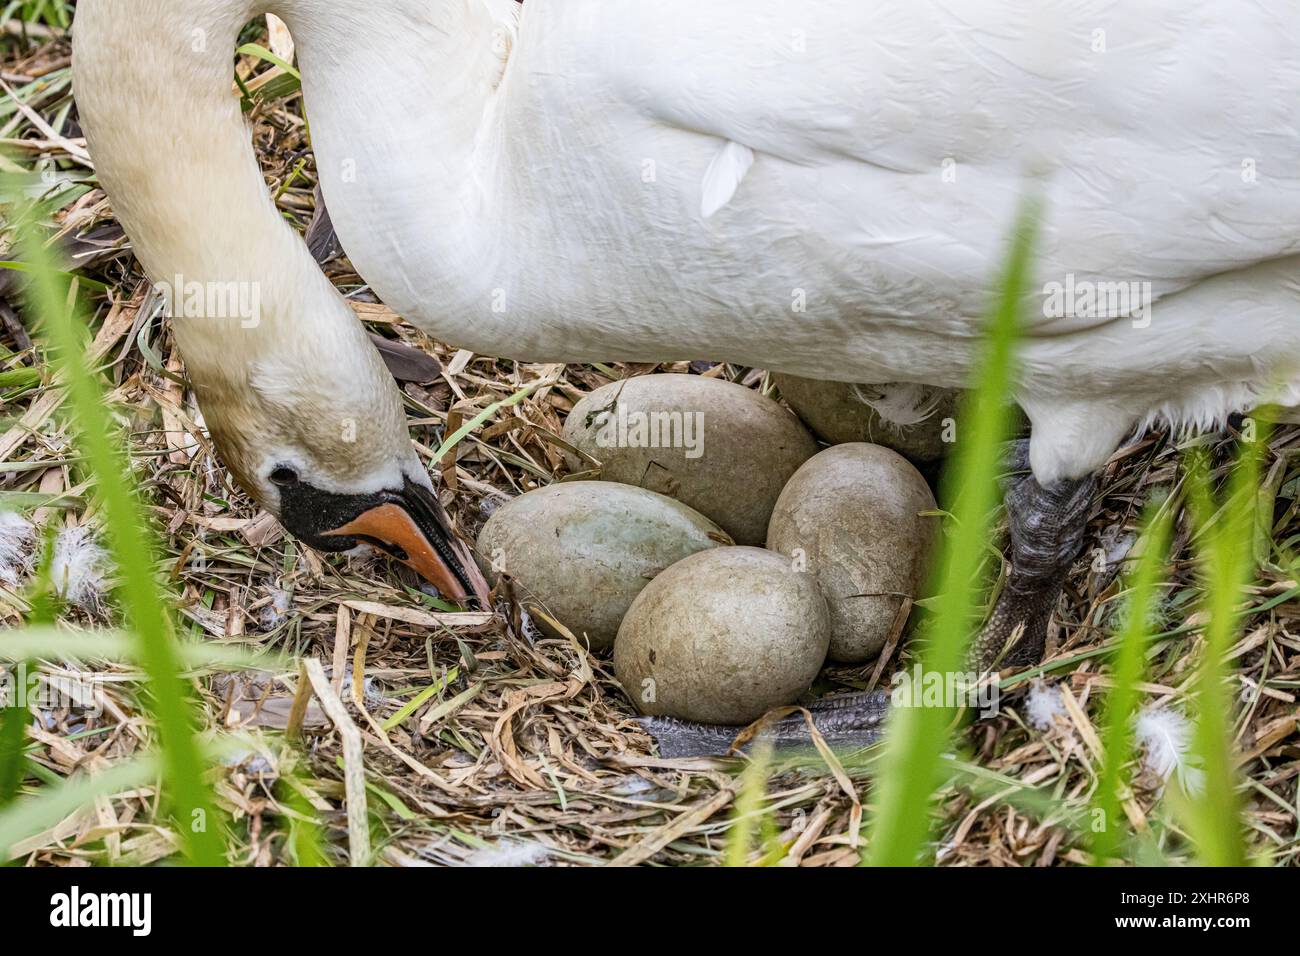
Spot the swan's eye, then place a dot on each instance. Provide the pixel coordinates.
(284, 476)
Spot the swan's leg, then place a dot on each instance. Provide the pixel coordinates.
(1047, 527)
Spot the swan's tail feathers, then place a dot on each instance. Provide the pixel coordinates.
(1209, 408)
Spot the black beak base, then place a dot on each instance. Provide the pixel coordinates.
(410, 525)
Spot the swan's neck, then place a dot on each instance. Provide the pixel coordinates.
(172, 148)
(399, 97)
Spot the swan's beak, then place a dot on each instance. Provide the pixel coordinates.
(413, 527)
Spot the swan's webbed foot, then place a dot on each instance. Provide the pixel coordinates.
(847, 722)
(1047, 527)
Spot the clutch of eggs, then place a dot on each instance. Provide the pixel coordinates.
(645, 560)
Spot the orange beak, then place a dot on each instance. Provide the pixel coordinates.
(425, 543)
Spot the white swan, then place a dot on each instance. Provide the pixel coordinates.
(823, 188)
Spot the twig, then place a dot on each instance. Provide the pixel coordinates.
(354, 771)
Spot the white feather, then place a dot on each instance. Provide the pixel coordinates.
(276, 612)
(17, 535)
(900, 404)
(1167, 735)
(76, 569)
(1116, 545)
(724, 176)
(1044, 705)
(509, 854)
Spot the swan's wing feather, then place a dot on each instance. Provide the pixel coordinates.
(1166, 132)
(724, 176)
(406, 363)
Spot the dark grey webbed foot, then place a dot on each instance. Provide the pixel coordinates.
(1047, 527)
(847, 722)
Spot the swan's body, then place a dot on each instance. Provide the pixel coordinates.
(527, 181)
(533, 182)
(860, 114)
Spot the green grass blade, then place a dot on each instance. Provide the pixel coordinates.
(918, 736)
(421, 698)
(1121, 703)
(748, 808)
(33, 815)
(190, 797)
(306, 836)
(117, 646)
(459, 434)
(17, 715)
(1225, 547)
(262, 53)
(28, 268)
(14, 718)
(20, 378)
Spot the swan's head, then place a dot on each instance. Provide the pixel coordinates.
(313, 428)
(298, 402)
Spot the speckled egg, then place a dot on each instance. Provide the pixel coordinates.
(583, 550)
(721, 448)
(722, 637)
(853, 516)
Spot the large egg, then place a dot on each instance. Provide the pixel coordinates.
(854, 515)
(720, 448)
(722, 637)
(582, 550)
(914, 420)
